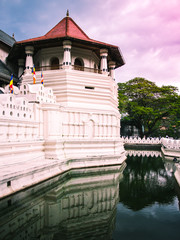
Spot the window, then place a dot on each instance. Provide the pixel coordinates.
(79, 64)
(88, 87)
(8, 183)
(54, 63)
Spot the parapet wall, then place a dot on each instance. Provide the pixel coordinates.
(166, 142)
(17, 119)
(138, 140)
(170, 143)
(169, 147)
(41, 138)
(21, 115)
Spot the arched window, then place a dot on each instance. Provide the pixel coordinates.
(54, 63)
(79, 64)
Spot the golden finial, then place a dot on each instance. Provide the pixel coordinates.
(67, 14)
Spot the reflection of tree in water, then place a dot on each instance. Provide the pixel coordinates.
(145, 182)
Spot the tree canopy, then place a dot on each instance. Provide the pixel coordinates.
(150, 108)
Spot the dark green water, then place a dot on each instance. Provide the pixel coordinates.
(149, 205)
(134, 201)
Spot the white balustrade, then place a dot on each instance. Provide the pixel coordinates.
(171, 143)
(167, 143)
(138, 140)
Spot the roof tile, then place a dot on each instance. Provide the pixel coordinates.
(65, 28)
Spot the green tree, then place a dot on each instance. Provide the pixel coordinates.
(149, 107)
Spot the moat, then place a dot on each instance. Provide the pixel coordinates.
(149, 200)
(136, 200)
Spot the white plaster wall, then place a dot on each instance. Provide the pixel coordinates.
(88, 57)
(3, 55)
(70, 88)
(51, 119)
(44, 56)
(76, 128)
(79, 124)
(37, 92)
(17, 119)
(67, 132)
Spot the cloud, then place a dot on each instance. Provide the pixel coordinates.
(149, 37)
(147, 31)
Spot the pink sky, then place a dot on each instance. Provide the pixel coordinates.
(148, 34)
(147, 31)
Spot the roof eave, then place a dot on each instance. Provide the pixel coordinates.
(111, 48)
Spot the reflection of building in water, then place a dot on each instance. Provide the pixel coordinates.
(145, 182)
(143, 153)
(80, 205)
(169, 166)
(172, 167)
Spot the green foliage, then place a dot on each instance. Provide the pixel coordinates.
(153, 110)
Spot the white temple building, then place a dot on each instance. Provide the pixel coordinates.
(72, 120)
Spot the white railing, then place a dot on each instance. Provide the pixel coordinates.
(170, 143)
(138, 140)
(167, 143)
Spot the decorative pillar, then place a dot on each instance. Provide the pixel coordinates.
(112, 66)
(29, 50)
(67, 54)
(21, 67)
(103, 67)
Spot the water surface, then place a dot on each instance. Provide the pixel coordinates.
(149, 205)
(138, 200)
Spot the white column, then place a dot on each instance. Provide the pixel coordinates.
(67, 54)
(29, 50)
(21, 67)
(103, 67)
(112, 66)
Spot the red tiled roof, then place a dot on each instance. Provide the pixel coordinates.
(65, 28)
